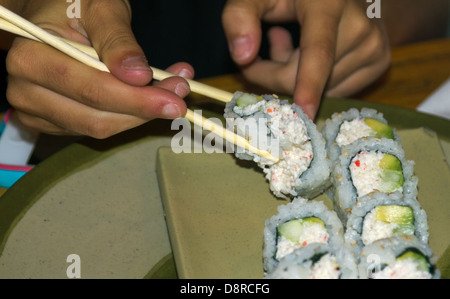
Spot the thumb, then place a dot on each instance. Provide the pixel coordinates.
(108, 26)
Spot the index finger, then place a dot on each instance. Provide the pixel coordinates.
(319, 22)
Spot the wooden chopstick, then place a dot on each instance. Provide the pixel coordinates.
(17, 25)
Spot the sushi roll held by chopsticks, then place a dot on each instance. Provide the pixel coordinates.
(284, 130)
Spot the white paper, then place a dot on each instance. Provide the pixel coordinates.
(16, 143)
(438, 103)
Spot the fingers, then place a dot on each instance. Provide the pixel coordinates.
(242, 26)
(182, 69)
(108, 25)
(48, 85)
(59, 95)
(273, 75)
(359, 68)
(364, 58)
(320, 22)
(91, 87)
(281, 45)
(53, 113)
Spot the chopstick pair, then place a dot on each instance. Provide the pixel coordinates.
(11, 22)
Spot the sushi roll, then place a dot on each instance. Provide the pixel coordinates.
(286, 132)
(380, 215)
(371, 165)
(399, 257)
(316, 261)
(299, 224)
(346, 127)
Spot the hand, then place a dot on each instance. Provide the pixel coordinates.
(56, 94)
(341, 50)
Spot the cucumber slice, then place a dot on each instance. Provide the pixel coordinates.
(418, 258)
(381, 129)
(392, 175)
(247, 99)
(400, 215)
(391, 162)
(405, 230)
(293, 229)
(312, 220)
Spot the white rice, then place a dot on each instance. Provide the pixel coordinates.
(367, 174)
(403, 269)
(326, 268)
(351, 131)
(379, 259)
(316, 261)
(303, 168)
(374, 229)
(312, 233)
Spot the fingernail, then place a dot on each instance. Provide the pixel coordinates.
(182, 89)
(241, 48)
(171, 111)
(138, 63)
(185, 74)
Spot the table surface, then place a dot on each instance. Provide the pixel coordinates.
(415, 72)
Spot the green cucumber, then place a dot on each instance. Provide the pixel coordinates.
(380, 129)
(248, 99)
(293, 229)
(392, 175)
(418, 258)
(401, 215)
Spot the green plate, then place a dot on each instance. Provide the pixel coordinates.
(100, 200)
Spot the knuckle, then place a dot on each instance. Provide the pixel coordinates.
(15, 96)
(22, 62)
(376, 47)
(18, 58)
(91, 94)
(98, 128)
(116, 38)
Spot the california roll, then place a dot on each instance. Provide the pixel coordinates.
(284, 130)
(299, 224)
